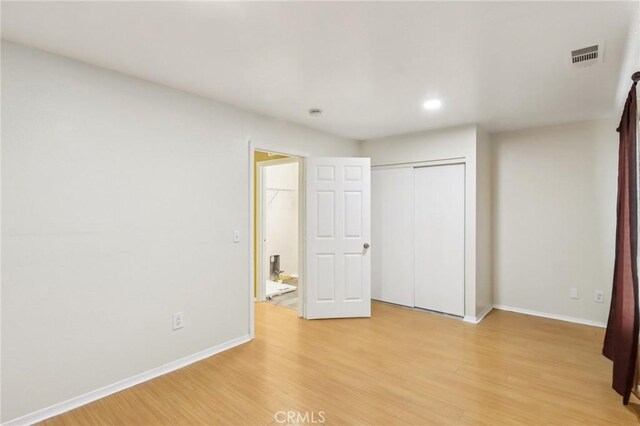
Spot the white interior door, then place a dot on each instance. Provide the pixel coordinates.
(338, 231)
(439, 238)
(392, 236)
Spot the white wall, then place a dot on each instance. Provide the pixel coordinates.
(119, 200)
(554, 217)
(446, 144)
(484, 279)
(455, 142)
(281, 216)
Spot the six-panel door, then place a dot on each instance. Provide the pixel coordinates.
(338, 232)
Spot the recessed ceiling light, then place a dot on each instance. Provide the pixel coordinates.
(432, 104)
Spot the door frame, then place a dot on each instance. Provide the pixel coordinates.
(276, 149)
(261, 220)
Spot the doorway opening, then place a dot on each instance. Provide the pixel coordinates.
(277, 227)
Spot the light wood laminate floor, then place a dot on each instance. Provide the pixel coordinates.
(399, 367)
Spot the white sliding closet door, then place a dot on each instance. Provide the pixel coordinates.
(439, 238)
(392, 235)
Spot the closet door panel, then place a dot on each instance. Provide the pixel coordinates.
(392, 235)
(439, 238)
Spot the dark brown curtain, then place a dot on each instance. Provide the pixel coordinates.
(621, 338)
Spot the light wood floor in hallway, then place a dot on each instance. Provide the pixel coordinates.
(399, 367)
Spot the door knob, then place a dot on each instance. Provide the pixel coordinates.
(366, 245)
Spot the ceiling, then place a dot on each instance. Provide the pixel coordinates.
(368, 65)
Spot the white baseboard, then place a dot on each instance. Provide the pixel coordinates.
(86, 398)
(477, 319)
(551, 316)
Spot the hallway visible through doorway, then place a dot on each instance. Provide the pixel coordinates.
(277, 222)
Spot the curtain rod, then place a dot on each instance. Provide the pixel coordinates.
(636, 76)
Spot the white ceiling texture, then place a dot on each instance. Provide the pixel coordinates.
(368, 65)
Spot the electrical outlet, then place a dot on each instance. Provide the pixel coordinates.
(573, 293)
(178, 320)
(599, 296)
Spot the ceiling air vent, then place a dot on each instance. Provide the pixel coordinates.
(587, 56)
